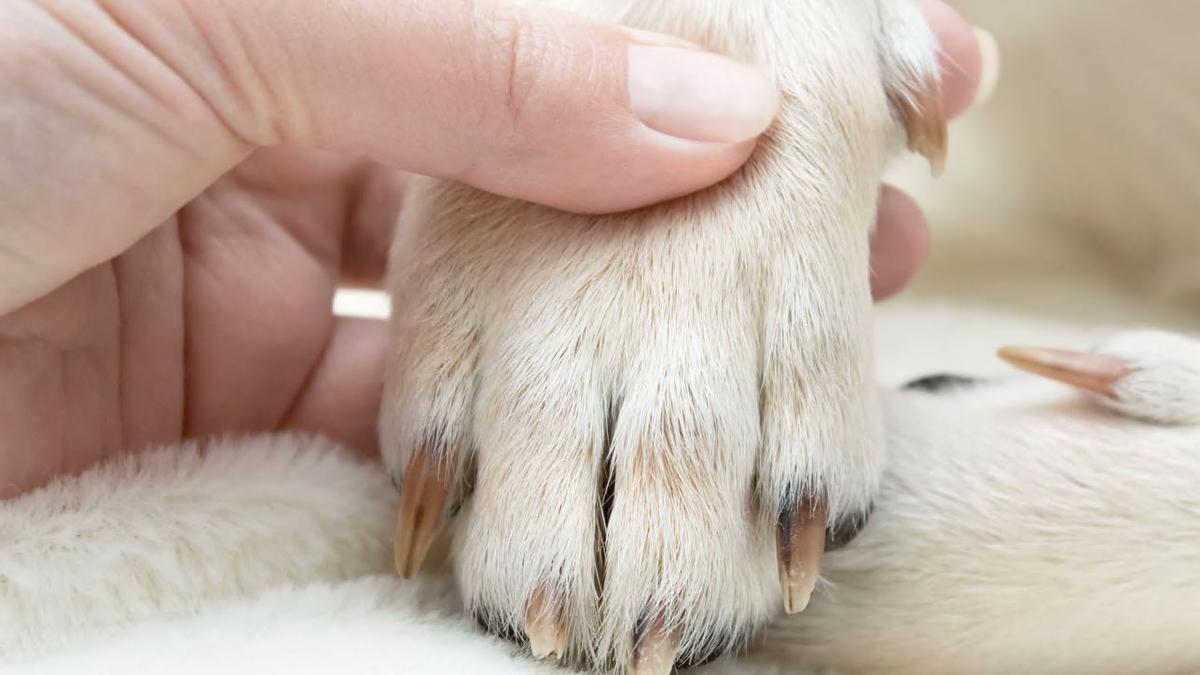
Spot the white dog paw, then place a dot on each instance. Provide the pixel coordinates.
(632, 490)
(649, 423)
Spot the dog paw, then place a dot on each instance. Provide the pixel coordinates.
(648, 425)
(1148, 375)
(639, 475)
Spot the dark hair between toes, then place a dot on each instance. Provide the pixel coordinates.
(844, 532)
(489, 622)
(718, 647)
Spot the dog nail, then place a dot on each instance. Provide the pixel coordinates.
(1091, 372)
(654, 649)
(422, 512)
(800, 541)
(924, 115)
(545, 625)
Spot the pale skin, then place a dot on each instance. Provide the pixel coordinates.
(178, 201)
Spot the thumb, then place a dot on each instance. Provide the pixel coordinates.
(524, 101)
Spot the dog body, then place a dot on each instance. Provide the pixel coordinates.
(1024, 527)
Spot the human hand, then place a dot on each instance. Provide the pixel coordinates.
(185, 184)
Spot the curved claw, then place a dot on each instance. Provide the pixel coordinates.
(1096, 373)
(546, 625)
(655, 649)
(422, 513)
(799, 541)
(924, 115)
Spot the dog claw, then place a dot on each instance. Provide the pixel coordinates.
(1096, 373)
(422, 512)
(545, 626)
(800, 541)
(924, 116)
(655, 649)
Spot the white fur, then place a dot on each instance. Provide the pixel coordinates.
(154, 534)
(1164, 383)
(710, 357)
(255, 555)
(372, 625)
(1022, 529)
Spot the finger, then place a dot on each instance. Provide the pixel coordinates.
(376, 205)
(900, 243)
(103, 142)
(961, 56)
(341, 209)
(341, 398)
(526, 102)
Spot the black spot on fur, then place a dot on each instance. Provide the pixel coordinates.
(942, 382)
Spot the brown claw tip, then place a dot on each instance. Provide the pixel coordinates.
(924, 116)
(1096, 373)
(546, 626)
(800, 541)
(422, 512)
(655, 649)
